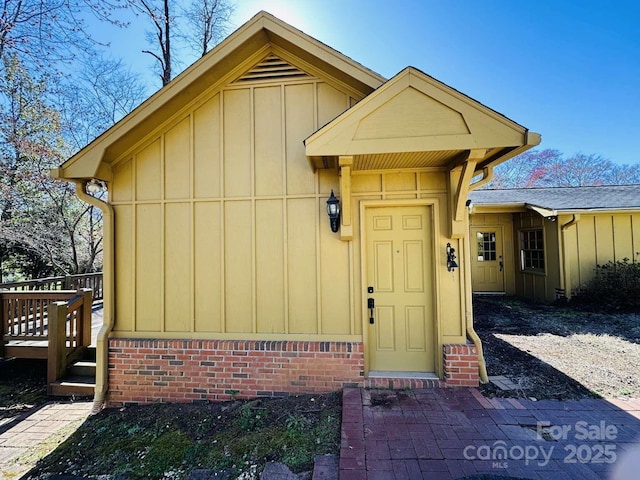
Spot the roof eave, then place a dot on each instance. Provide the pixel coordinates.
(262, 29)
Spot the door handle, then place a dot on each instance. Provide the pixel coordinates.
(501, 264)
(371, 305)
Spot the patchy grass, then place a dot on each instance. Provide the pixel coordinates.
(169, 440)
(558, 352)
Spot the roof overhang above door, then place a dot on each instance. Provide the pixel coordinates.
(415, 121)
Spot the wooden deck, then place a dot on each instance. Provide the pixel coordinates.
(38, 348)
(56, 325)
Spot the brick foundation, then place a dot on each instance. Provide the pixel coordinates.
(145, 371)
(460, 365)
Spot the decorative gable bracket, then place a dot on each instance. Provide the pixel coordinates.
(460, 177)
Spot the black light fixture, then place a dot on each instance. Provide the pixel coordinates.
(333, 210)
(451, 258)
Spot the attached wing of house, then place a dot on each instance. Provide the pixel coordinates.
(544, 243)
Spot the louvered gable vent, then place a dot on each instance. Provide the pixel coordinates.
(272, 68)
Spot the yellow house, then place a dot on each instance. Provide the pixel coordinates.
(223, 273)
(545, 243)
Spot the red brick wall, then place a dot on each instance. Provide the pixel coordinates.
(147, 371)
(460, 365)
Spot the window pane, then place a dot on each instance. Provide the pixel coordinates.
(486, 246)
(532, 249)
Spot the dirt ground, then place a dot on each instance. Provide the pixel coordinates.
(22, 387)
(233, 438)
(558, 352)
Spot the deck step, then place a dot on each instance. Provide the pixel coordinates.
(83, 368)
(73, 385)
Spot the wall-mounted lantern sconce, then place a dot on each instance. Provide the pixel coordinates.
(451, 258)
(95, 186)
(333, 210)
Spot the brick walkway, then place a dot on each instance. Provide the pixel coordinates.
(455, 433)
(42, 429)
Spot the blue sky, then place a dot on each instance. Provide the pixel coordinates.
(568, 70)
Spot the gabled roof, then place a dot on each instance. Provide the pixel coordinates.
(414, 112)
(261, 36)
(562, 199)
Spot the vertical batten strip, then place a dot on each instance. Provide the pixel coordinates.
(318, 260)
(352, 313)
(163, 231)
(578, 262)
(252, 190)
(595, 239)
(613, 239)
(285, 207)
(192, 223)
(634, 247)
(134, 231)
(383, 186)
(221, 230)
(317, 215)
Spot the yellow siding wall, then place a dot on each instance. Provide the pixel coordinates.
(597, 239)
(538, 286)
(221, 226)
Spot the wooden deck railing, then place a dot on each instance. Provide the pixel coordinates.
(66, 282)
(39, 324)
(69, 333)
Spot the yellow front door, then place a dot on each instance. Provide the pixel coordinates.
(399, 280)
(487, 262)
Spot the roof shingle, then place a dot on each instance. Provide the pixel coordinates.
(605, 197)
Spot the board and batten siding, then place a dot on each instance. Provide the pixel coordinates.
(222, 232)
(537, 285)
(221, 227)
(597, 239)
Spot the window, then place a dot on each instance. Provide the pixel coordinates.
(532, 250)
(486, 246)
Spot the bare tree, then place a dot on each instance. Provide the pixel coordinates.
(580, 170)
(161, 15)
(525, 170)
(197, 24)
(208, 20)
(45, 32)
(104, 91)
(550, 168)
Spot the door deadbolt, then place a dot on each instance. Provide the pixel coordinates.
(371, 305)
